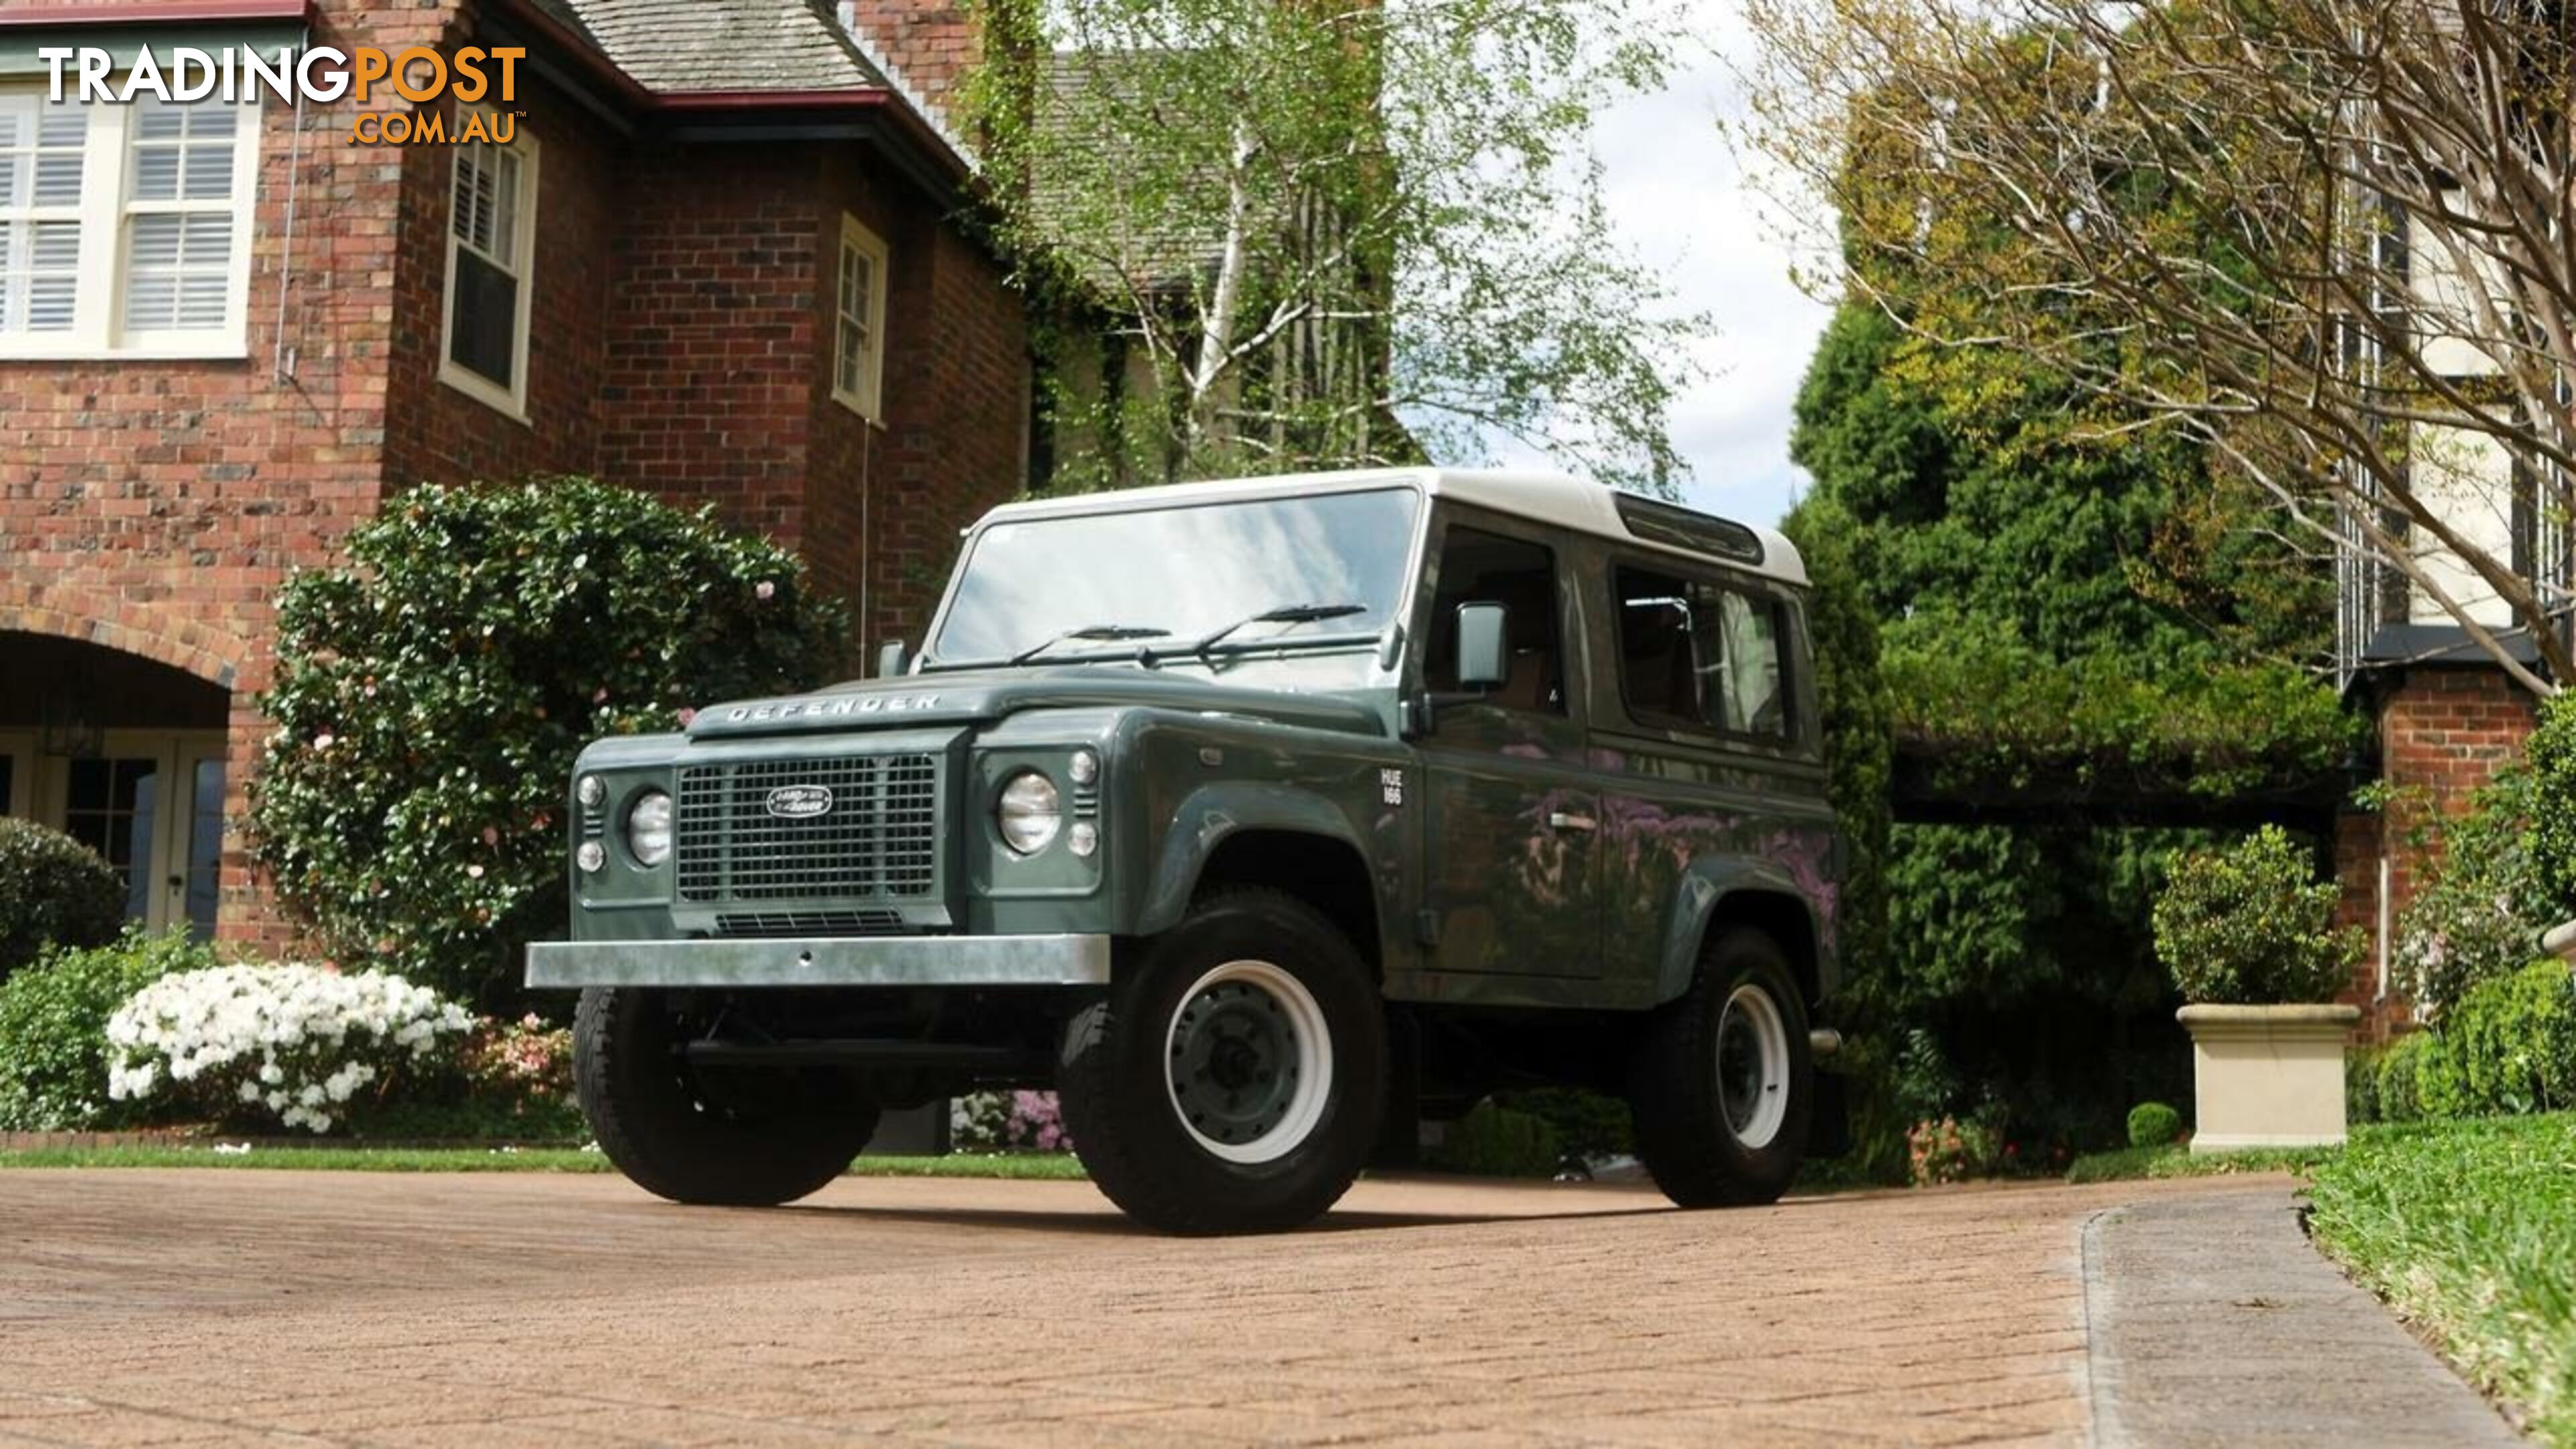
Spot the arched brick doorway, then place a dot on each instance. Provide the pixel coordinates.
(128, 753)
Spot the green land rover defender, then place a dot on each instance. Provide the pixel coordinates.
(1261, 820)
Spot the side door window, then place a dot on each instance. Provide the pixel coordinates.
(1477, 567)
(1700, 657)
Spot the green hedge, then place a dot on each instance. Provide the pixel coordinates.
(2507, 1046)
(53, 1029)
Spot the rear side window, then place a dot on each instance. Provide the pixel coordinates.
(1700, 657)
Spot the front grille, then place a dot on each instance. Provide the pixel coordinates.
(878, 838)
(809, 923)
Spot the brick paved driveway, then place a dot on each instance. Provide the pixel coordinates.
(234, 1307)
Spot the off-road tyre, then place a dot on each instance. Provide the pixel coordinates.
(1699, 1155)
(757, 1138)
(1174, 1020)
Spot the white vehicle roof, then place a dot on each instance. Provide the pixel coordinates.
(1550, 498)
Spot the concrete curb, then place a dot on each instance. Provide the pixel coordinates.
(2211, 1319)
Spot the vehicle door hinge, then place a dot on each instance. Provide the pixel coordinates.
(1426, 927)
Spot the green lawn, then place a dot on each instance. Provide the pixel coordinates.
(2135, 1162)
(2469, 1230)
(485, 1159)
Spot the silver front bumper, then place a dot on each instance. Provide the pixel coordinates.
(824, 961)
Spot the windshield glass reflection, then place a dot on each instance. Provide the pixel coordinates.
(1167, 578)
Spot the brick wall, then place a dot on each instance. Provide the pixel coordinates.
(2443, 732)
(952, 442)
(155, 507)
(708, 378)
(436, 433)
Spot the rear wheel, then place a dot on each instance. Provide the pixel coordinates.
(1232, 1081)
(1722, 1087)
(735, 1136)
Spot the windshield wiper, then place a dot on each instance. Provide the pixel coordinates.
(1089, 631)
(1284, 614)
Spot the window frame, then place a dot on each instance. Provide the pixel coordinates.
(868, 399)
(512, 401)
(105, 209)
(1792, 714)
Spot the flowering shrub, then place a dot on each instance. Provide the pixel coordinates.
(1948, 1149)
(1007, 1122)
(519, 1059)
(293, 1042)
(53, 1028)
(432, 692)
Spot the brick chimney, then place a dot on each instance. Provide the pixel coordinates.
(928, 45)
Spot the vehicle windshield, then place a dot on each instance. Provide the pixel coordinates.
(1106, 585)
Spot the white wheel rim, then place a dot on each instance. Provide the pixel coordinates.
(1752, 1067)
(1235, 1023)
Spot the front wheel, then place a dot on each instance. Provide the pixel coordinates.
(1722, 1086)
(1232, 1081)
(731, 1136)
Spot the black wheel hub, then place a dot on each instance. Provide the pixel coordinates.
(1234, 1062)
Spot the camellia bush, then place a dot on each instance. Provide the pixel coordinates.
(432, 692)
(289, 1043)
(2250, 925)
(54, 891)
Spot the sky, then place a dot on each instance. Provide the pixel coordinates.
(1677, 196)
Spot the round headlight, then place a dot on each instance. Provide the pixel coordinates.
(592, 790)
(648, 828)
(1084, 767)
(591, 856)
(1029, 812)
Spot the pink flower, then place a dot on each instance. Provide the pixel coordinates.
(491, 836)
(764, 590)
(687, 715)
(324, 740)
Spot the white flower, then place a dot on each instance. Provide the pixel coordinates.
(291, 1038)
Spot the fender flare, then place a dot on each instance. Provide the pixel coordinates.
(1213, 814)
(1703, 891)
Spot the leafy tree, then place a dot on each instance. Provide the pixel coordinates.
(2321, 242)
(432, 692)
(1319, 235)
(2018, 573)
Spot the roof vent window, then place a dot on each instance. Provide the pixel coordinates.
(1681, 528)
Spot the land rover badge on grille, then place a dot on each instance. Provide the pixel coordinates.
(800, 802)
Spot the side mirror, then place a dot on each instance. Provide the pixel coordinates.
(1484, 662)
(890, 660)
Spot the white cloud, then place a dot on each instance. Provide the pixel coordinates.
(1681, 202)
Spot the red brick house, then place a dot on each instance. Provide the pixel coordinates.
(720, 256)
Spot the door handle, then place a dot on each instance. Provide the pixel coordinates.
(1564, 820)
